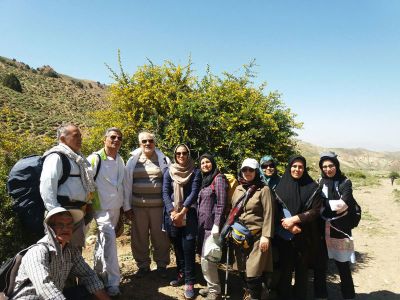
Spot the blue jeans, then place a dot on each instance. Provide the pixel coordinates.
(185, 247)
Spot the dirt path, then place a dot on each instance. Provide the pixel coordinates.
(376, 272)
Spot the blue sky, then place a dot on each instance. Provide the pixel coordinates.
(336, 63)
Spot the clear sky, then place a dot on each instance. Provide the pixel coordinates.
(336, 63)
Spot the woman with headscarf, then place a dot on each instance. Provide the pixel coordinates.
(257, 216)
(181, 185)
(338, 198)
(211, 215)
(298, 195)
(268, 171)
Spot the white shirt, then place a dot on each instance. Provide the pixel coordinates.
(51, 174)
(108, 181)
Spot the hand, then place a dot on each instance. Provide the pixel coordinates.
(129, 214)
(295, 229)
(178, 219)
(264, 244)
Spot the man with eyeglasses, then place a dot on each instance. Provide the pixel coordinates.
(143, 204)
(108, 169)
(46, 265)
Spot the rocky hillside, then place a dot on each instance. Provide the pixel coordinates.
(355, 159)
(47, 98)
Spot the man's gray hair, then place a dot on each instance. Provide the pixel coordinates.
(117, 130)
(62, 129)
(145, 132)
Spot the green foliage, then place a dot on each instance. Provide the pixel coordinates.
(394, 175)
(227, 116)
(13, 147)
(11, 81)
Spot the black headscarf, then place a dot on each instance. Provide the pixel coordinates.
(209, 176)
(329, 181)
(295, 193)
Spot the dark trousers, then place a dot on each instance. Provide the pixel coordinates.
(346, 280)
(292, 260)
(185, 248)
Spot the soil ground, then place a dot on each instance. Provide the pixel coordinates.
(375, 273)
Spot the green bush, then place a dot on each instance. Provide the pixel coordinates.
(357, 174)
(11, 81)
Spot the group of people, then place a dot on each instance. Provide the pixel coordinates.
(297, 223)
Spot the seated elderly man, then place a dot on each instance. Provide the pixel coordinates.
(45, 267)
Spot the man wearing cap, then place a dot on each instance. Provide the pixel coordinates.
(46, 265)
(143, 203)
(76, 190)
(109, 167)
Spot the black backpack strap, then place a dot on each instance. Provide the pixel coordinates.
(66, 168)
(98, 166)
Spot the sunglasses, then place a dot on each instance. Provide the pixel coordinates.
(116, 137)
(271, 166)
(150, 141)
(331, 166)
(181, 153)
(246, 169)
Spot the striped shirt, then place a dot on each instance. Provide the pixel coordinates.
(147, 182)
(48, 273)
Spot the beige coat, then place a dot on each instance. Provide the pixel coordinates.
(258, 214)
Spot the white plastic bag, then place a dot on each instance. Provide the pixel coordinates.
(212, 250)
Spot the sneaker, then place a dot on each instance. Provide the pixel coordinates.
(189, 291)
(203, 292)
(213, 296)
(113, 291)
(162, 272)
(178, 281)
(142, 272)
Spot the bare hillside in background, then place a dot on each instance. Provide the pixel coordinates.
(47, 98)
(354, 159)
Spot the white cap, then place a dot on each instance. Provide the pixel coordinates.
(251, 163)
(77, 214)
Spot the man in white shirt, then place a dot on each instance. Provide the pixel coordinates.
(109, 167)
(76, 191)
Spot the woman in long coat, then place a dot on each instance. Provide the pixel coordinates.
(298, 195)
(257, 216)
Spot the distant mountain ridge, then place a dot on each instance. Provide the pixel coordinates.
(360, 159)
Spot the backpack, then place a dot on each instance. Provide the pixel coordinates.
(23, 186)
(243, 237)
(354, 209)
(232, 183)
(8, 274)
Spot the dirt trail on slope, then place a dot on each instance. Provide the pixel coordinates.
(376, 272)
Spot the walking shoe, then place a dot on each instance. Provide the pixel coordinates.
(113, 291)
(162, 272)
(189, 291)
(203, 292)
(142, 272)
(213, 296)
(178, 281)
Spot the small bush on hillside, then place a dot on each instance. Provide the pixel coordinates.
(51, 73)
(357, 174)
(11, 81)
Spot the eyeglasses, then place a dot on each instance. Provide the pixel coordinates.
(331, 166)
(246, 169)
(62, 226)
(181, 153)
(115, 137)
(150, 141)
(271, 166)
